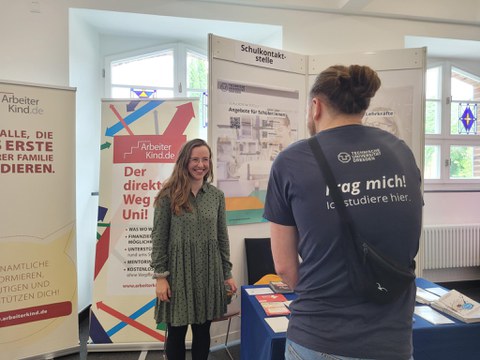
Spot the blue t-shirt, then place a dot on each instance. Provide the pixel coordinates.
(381, 186)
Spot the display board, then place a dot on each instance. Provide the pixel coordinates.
(398, 106)
(256, 109)
(38, 276)
(140, 143)
(257, 102)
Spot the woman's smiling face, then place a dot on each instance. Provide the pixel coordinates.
(199, 163)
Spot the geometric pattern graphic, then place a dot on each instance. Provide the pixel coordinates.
(467, 119)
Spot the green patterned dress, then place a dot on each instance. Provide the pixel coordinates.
(195, 249)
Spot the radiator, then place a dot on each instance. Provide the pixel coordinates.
(451, 246)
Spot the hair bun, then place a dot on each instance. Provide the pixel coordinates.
(344, 81)
(347, 89)
(364, 81)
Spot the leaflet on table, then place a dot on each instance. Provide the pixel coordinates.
(273, 304)
(437, 290)
(278, 324)
(459, 306)
(432, 316)
(259, 291)
(425, 297)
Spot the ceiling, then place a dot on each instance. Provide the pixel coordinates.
(466, 12)
(448, 11)
(193, 31)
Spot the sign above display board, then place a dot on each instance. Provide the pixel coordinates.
(257, 55)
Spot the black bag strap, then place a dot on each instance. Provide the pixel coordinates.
(332, 185)
(335, 192)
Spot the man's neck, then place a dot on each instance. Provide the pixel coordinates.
(341, 120)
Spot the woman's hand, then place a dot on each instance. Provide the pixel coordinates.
(232, 284)
(163, 290)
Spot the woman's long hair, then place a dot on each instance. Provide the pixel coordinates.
(178, 186)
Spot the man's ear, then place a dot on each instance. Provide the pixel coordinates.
(317, 108)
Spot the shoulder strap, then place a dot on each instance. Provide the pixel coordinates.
(335, 192)
(332, 184)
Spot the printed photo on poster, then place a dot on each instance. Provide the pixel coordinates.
(254, 125)
(396, 106)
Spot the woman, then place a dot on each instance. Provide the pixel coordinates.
(190, 252)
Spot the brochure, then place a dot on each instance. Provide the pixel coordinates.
(280, 287)
(459, 306)
(432, 315)
(425, 297)
(273, 304)
(278, 324)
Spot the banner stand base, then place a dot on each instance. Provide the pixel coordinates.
(125, 346)
(141, 346)
(55, 354)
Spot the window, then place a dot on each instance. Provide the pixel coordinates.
(452, 140)
(176, 70)
(153, 73)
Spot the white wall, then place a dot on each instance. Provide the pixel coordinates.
(451, 208)
(85, 76)
(36, 47)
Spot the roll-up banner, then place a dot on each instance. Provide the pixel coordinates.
(38, 278)
(140, 143)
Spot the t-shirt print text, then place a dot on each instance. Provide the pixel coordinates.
(359, 156)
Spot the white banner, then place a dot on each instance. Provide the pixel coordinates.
(38, 278)
(139, 148)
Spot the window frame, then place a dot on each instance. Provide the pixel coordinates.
(180, 51)
(445, 140)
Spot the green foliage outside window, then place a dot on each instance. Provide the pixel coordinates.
(197, 73)
(461, 166)
(431, 162)
(430, 117)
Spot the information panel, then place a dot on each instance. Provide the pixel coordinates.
(38, 277)
(141, 141)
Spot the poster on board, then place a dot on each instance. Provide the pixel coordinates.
(140, 143)
(257, 97)
(253, 127)
(398, 106)
(38, 277)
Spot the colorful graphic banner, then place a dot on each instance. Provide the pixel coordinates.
(38, 278)
(139, 148)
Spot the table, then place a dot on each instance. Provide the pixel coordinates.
(431, 342)
(258, 340)
(438, 342)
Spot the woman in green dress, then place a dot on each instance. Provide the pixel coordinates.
(190, 252)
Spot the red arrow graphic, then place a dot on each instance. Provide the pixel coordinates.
(102, 251)
(130, 321)
(120, 118)
(180, 120)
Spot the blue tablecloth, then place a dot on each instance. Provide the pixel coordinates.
(431, 342)
(439, 342)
